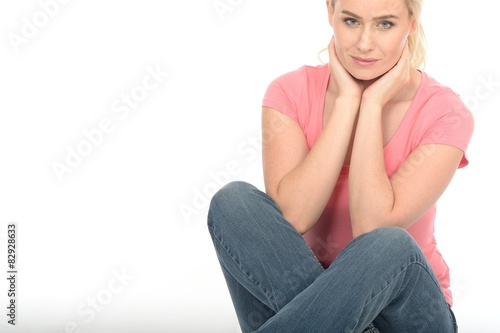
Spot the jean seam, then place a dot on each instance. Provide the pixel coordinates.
(414, 262)
(242, 269)
(277, 207)
(453, 319)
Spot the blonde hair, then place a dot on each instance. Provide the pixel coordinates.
(416, 41)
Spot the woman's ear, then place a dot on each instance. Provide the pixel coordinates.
(413, 26)
(329, 7)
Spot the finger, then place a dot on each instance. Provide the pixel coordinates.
(331, 48)
(406, 51)
(332, 52)
(404, 58)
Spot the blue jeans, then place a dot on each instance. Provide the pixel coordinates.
(277, 284)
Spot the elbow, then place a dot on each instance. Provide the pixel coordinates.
(302, 229)
(301, 225)
(299, 214)
(358, 230)
(365, 221)
(362, 225)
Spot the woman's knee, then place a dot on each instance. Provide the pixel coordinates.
(229, 195)
(228, 199)
(394, 241)
(391, 233)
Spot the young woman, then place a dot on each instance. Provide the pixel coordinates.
(356, 154)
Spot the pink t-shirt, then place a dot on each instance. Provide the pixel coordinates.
(436, 115)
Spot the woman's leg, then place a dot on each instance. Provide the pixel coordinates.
(381, 276)
(265, 261)
(273, 277)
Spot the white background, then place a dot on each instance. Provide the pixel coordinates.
(119, 210)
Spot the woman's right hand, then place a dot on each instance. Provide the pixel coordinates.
(346, 85)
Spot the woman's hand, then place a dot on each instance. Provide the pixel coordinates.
(388, 85)
(347, 85)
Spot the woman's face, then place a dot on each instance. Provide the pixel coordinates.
(370, 35)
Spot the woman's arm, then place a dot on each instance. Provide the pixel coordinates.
(302, 181)
(376, 200)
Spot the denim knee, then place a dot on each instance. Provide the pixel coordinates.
(391, 233)
(230, 191)
(228, 194)
(228, 199)
(395, 242)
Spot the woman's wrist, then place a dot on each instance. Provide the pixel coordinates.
(348, 102)
(371, 103)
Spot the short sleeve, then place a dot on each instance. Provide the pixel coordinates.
(284, 93)
(451, 123)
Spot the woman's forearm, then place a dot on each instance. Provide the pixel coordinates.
(304, 192)
(371, 196)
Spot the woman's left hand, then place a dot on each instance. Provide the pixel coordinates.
(389, 84)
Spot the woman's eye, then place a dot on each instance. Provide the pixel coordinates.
(386, 25)
(350, 21)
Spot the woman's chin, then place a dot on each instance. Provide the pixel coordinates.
(365, 75)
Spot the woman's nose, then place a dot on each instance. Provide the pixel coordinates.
(365, 41)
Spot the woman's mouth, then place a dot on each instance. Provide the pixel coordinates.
(364, 61)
